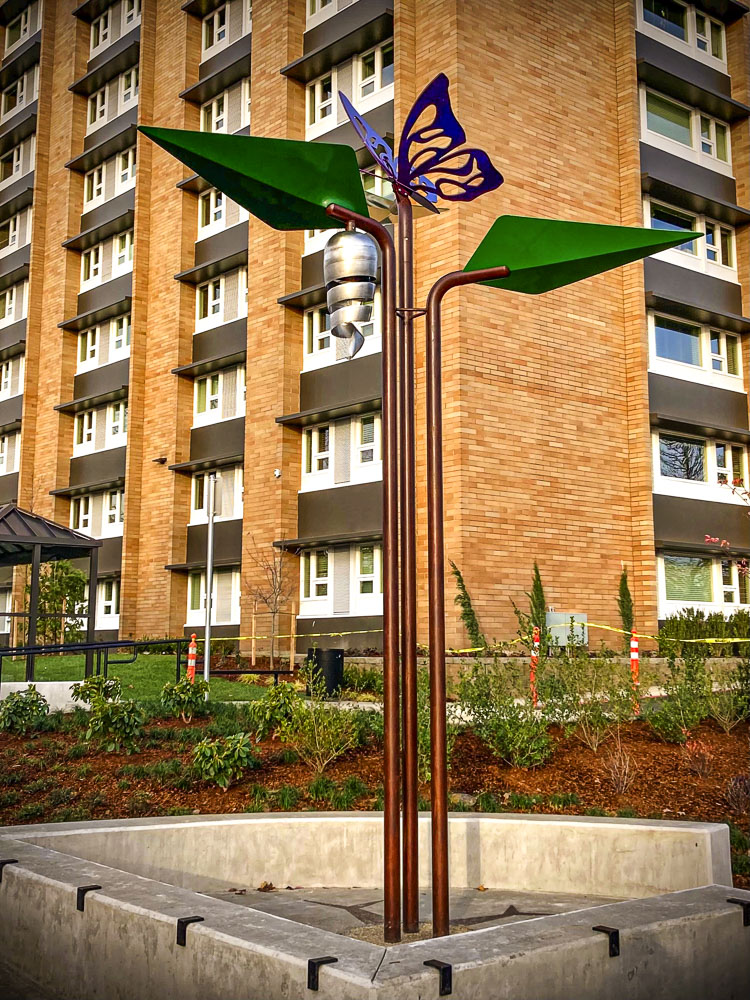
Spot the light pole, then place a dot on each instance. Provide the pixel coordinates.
(211, 504)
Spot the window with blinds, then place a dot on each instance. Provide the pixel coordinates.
(688, 578)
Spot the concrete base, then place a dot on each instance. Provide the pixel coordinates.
(681, 939)
(57, 693)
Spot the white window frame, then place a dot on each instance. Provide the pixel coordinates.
(84, 432)
(113, 513)
(120, 329)
(690, 45)
(380, 92)
(124, 166)
(362, 468)
(216, 202)
(316, 587)
(698, 257)
(108, 603)
(316, 121)
(95, 256)
(131, 14)
(116, 434)
(93, 187)
(215, 24)
(88, 349)
(214, 112)
(316, 458)
(693, 152)
(318, 11)
(6, 376)
(122, 253)
(23, 31)
(711, 488)
(199, 489)
(215, 392)
(718, 603)
(15, 158)
(80, 512)
(197, 616)
(8, 298)
(366, 603)
(214, 298)
(96, 114)
(246, 109)
(129, 87)
(318, 340)
(704, 373)
(99, 38)
(13, 227)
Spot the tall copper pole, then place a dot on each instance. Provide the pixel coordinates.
(408, 567)
(436, 573)
(391, 822)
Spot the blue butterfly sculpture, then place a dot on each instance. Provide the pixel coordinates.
(432, 161)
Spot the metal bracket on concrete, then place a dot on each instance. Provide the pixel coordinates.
(81, 894)
(446, 975)
(182, 924)
(745, 904)
(313, 965)
(4, 862)
(614, 938)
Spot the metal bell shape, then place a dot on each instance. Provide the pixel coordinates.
(350, 266)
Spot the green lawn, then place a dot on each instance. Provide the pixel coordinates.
(144, 678)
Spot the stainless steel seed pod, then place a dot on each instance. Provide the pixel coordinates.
(350, 267)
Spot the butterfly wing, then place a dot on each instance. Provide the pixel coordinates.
(376, 144)
(430, 158)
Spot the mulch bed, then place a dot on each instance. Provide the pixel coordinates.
(37, 775)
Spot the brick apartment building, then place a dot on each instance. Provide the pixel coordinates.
(151, 334)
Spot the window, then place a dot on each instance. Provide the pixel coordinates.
(6, 369)
(117, 422)
(717, 246)
(100, 31)
(17, 30)
(315, 574)
(215, 28)
(84, 430)
(120, 333)
(320, 100)
(97, 107)
(317, 331)
(88, 342)
(114, 509)
(709, 35)
(376, 69)
(673, 220)
(724, 352)
(80, 513)
(125, 165)
(730, 464)
(688, 578)
(667, 16)
(110, 591)
(14, 96)
(315, 6)
(211, 209)
(735, 585)
(317, 455)
(210, 301)
(9, 233)
(208, 394)
(678, 341)
(131, 12)
(199, 493)
(682, 458)
(368, 569)
(195, 592)
(246, 102)
(213, 118)
(713, 351)
(375, 183)
(129, 85)
(683, 27)
(93, 185)
(8, 305)
(91, 265)
(4, 454)
(679, 123)
(122, 253)
(10, 164)
(368, 439)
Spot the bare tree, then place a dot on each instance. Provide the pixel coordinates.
(276, 584)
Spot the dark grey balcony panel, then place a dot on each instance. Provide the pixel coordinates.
(100, 385)
(312, 269)
(346, 510)
(670, 281)
(115, 59)
(110, 556)
(696, 313)
(217, 254)
(227, 541)
(215, 364)
(10, 413)
(106, 295)
(691, 177)
(194, 183)
(693, 77)
(9, 488)
(13, 340)
(222, 341)
(726, 10)
(199, 8)
(316, 541)
(111, 132)
(680, 523)
(91, 9)
(307, 418)
(381, 119)
(90, 237)
(99, 469)
(221, 71)
(369, 627)
(18, 127)
(354, 29)
(305, 298)
(710, 409)
(724, 211)
(121, 136)
(16, 196)
(104, 215)
(15, 267)
(341, 384)
(221, 440)
(24, 57)
(10, 9)
(204, 464)
(87, 319)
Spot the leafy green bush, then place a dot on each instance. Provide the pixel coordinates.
(287, 797)
(686, 701)
(118, 724)
(511, 728)
(23, 710)
(185, 698)
(224, 759)
(369, 726)
(319, 731)
(97, 688)
(424, 743)
(728, 695)
(363, 680)
(696, 624)
(267, 714)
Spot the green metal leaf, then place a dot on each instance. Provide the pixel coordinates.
(287, 184)
(543, 254)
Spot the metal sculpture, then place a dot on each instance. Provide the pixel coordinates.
(350, 270)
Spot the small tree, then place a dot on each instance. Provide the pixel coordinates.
(62, 599)
(276, 586)
(468, 614)
(625, 605)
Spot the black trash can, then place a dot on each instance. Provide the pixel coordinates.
(329, 663)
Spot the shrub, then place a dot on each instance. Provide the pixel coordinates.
(488, 802)
(698, 757)
(184, 698)
(728, 695)
(32, 810)
(224, 759)
(696, 624)
(274, 708)
(685, 704)
(118, 724)
(424, 743)
(512, 730)
(737, 794)
(320, 732)
(321, 788)
(287, 797)
(97, 688)
(625, 607)
(369, 726)
(23, 710)
(468, 614)
(620, 768)
(363, 680)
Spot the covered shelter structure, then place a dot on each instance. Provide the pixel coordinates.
(27, 538)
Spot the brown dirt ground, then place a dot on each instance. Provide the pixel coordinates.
(664, 785)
